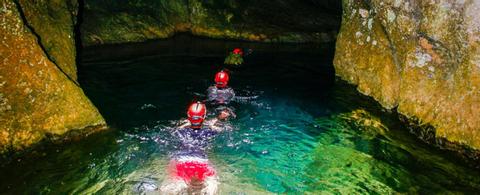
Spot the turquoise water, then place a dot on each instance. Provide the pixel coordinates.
(307, 132)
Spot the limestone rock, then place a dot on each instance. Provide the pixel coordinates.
(37, 97)
(421, 57)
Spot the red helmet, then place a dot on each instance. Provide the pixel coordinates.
(238, 51)
(221, 79)
(196, 114)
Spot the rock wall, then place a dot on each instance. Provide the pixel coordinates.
(118, 21)
(53, 21)
(420, 57)
(39, 95)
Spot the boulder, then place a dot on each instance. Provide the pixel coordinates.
(421, 58)
(39, 95)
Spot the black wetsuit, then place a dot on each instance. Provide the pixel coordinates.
(194, 142)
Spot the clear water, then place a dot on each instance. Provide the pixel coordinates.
(307, 132)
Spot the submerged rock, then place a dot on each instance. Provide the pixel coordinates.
(107, 22)
(420, 57)
(39, 96)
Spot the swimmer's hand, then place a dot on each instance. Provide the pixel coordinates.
(212, 125)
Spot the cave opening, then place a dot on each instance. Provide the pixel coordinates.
(305, 30)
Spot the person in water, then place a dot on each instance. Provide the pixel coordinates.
(220, 95)
(190, 171)
(235, 57)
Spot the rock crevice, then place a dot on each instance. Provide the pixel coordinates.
(39, 42)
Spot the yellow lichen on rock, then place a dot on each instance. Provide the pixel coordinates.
(432, 61)
(56, 29)
(36, 98)
(361, 58)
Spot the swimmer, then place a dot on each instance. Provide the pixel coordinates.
(214, 124)
(236, 57)
(220, 93)
(190, 172)
(219, 123)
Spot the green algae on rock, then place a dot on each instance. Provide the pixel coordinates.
(420, 57)
(38, 97)
(108, 22)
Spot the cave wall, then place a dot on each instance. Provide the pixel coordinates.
(119, 21)
(39, 94)
(421, 58)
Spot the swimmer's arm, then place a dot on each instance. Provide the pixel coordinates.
(217, 129)
(213, 126)
(185, 124)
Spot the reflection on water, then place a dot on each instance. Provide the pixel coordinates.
(305, 133)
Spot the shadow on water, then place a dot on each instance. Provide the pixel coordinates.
(307, 132)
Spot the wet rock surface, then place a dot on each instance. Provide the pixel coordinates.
(107, 22)
(39, 97)
(53, 23)
(418, 57)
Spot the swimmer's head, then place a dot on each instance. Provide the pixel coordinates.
(238, 51)
(221, 79)
(196, 114)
